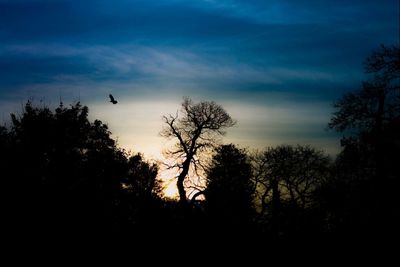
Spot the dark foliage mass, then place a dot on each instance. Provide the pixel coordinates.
(361, 196)
(287, 179)
(62, 173)
(229, 193)
(65, 173)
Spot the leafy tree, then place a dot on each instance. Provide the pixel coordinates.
(69, 172)
(198, 129)
(229, 192)
(140, 200)
(141, 178)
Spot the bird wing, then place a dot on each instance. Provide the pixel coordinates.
(111, 97)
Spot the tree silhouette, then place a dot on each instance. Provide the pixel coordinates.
(141, 177)
(5, 145)
(140, 197)
(68, 173)
(286, 178)
(62, 172)
(371, 114)
(196, 130)
(6, 166)
(370, 110)
(229, 192)
(367, 168)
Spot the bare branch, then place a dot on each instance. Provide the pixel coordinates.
(193, 199)
(175, 131)
(199, 127)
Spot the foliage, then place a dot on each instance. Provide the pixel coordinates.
(66, 171)
(361, 197)
(62, 172)
(229, 192)
(373, 107)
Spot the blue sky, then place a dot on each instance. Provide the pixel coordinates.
(276, 66)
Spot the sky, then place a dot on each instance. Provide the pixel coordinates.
(275, 65)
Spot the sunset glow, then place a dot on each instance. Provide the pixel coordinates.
(201, 121)
(241, 58)
(170, 189)
(237, 53)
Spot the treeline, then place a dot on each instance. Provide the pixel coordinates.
(60, 170)
(62, 173)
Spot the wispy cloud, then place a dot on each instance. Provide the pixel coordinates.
(297, 11)
(159, 63)
(276, 65)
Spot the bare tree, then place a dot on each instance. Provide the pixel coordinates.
(198, 128)
(369, 114)
(288, 175)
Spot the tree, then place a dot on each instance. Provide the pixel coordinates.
(377, 103)
(197, 130)
(229, 192)
(372, 112)
(286, 178)
(63, 170)
(67, 170)
(139, 200)
(371, 116)
(367, 168)
(5, 147)
(6, 156)
(141, 178)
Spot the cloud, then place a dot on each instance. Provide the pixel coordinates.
(276, 64)
(183, 22)
(104, 62)
(298, 12)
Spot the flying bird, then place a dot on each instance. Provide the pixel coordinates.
(112, 100)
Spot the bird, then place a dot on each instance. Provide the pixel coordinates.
(112, 100)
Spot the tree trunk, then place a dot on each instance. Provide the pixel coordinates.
(181, 179)
(276, 203)
(195, 196)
